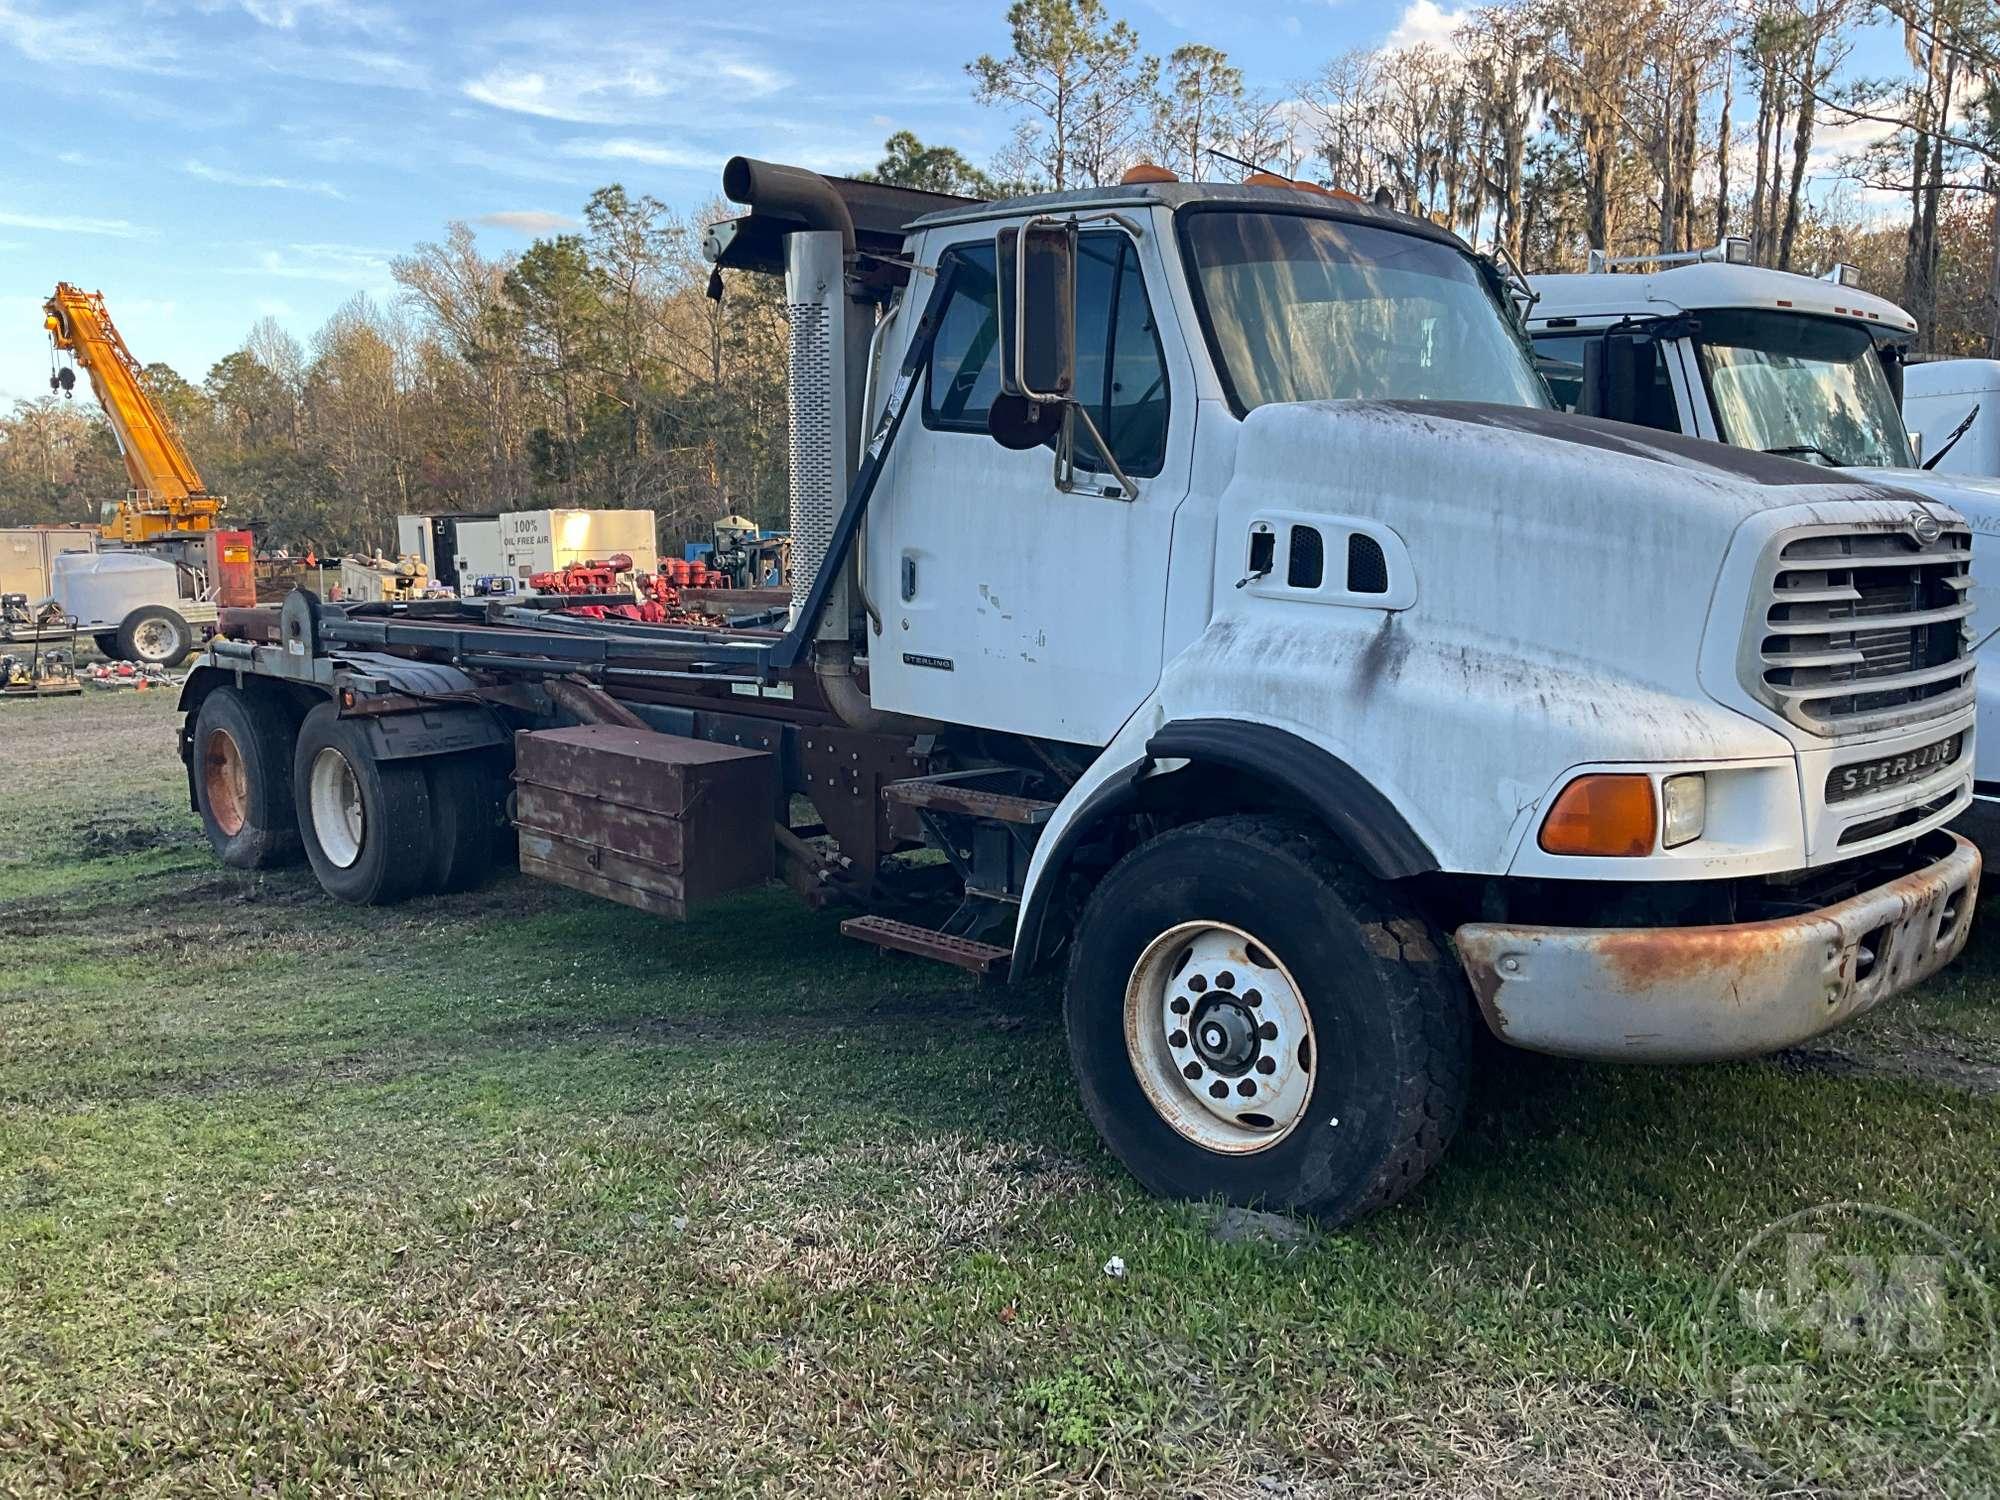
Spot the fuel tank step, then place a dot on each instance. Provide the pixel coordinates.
(892, 936)
(958, 793)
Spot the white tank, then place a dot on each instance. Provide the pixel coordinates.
(101, 589)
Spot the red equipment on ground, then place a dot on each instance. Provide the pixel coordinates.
(657, 601)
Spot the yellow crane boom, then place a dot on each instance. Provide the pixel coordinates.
(167, 495)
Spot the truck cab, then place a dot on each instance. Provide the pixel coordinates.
(1802, 367)
(1205, 577)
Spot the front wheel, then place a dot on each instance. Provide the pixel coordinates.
(365, 823)
(1251, 1018)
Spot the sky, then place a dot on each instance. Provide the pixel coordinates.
(205, 163)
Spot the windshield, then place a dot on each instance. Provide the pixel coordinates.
(1299, 308)
(1808, 388)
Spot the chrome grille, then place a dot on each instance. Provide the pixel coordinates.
(1866, 629)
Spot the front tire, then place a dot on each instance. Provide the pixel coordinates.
(365, 823)
(1252, 1018)
(243, 780)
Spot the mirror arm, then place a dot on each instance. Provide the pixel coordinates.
(1066, 454)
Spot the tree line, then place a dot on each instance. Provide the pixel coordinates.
(594, 368)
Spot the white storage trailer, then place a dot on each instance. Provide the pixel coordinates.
(455, 547)
(1940, 395)
(28, 555)
(541, 541)
(1388, 703)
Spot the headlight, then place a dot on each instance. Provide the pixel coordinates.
(1684, 809)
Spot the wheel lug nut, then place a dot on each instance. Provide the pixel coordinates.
(1253, 997)
(1225, 980)
(1268, 1031)
(1246, 1088)
(1197, 984)
(1218, 1089)
(1267, 1065)
(1179, 1006)
(1192, 1070)
(1178, 1039)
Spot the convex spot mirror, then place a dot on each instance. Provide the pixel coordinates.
(1036, 266)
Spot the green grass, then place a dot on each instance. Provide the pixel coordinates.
(516, 1192)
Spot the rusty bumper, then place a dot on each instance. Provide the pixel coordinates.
(1692, 994)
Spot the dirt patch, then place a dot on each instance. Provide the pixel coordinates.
(113, 838)
(1916, 1064)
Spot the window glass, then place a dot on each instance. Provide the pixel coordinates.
(1560, 360)
(1121, 376)
(1809, 388)
(1301, 308)
(965, 361)
(1559, 357)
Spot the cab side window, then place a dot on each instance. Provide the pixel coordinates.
(1560, 358)
(1121, 371)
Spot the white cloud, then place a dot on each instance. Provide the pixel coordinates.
(622, 148)
(197, 168)
(525, 221)
(80, 43)
(586, 93)
(119, 229)
(568, 96)
(347, 265)
(341, 15)
(1426, 23)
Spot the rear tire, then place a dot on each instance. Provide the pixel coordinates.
(243, 780)
(1254, 1019)
(467, 798)
(155, 636)
(365, 823)
(107, 644)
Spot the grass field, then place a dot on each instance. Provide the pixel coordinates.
(516, 1192)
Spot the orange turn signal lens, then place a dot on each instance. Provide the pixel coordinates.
(1612, 814)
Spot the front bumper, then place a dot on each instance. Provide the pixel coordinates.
(1694, 994)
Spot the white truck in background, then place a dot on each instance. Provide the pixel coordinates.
(1203, 573)
(1941, 396)
(1810, 368)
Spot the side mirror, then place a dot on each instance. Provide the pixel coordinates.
(1036, 270)
(1615, 369)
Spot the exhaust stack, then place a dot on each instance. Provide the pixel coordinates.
(826, 357)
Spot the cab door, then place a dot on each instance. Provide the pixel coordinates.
(1003, 601)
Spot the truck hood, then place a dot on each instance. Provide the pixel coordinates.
(1590, 547)
(1978, 500)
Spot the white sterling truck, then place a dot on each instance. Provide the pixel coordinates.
(1812, 368)
(1196, 591)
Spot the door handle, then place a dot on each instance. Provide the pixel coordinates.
(909, 578)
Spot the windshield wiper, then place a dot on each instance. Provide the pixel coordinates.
(1956, 433)
(1792, 450)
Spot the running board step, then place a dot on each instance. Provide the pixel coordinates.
(954, 793)
(890, 935)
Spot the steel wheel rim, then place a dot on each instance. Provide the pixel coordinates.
(339, 823)
(226, 781)
(154, 640)
(1210, 1008)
